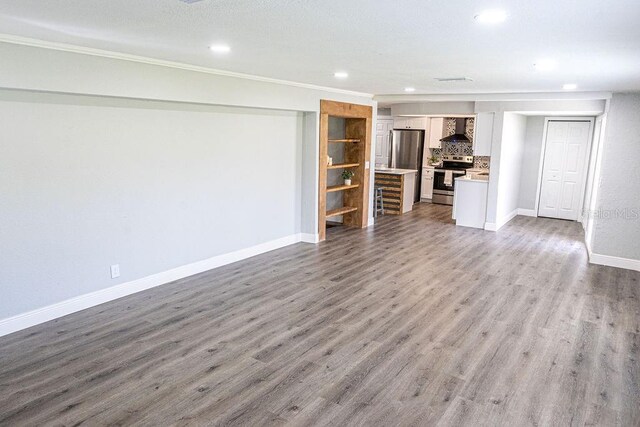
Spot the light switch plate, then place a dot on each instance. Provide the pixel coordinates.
(115, 271)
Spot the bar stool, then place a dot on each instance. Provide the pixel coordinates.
(379, 202)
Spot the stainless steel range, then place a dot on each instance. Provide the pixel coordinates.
(444, 177)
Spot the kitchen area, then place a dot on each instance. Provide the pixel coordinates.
(442, 160)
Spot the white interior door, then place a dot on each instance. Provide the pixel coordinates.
(383, 132)
(564, 169)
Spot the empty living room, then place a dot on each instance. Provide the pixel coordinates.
(313, 213)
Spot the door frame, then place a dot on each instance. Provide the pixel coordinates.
(591, 120)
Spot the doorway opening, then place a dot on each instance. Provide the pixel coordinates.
(566, 150)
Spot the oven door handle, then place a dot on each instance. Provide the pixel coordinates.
(454, 172)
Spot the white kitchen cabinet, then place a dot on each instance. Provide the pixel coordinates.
(436, 132)
(470, 202)
(483, 134)
(400, 122)
(426, 186)
(419, 123)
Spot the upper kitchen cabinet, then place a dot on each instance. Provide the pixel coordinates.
(418, 123)
(436, 132)
(483, 134)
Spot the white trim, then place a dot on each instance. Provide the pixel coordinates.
(611, 261)
(536, 205)
(507, 218)
(309, 238)
(63, 308)
(495, 226)
(614, 261)
(26, 41)
(527, 212)
(371, 221)
(520, 96)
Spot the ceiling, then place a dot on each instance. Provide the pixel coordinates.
(385, 46)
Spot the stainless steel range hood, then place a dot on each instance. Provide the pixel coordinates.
(458, 136)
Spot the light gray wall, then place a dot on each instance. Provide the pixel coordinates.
(512, 148)
(88, 182)
(35, 68)
(591, 184)
(106, 160)
(494, 171)
(617, 223)
(531, 157)
(310, 165)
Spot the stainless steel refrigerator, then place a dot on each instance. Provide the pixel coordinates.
(405, 152)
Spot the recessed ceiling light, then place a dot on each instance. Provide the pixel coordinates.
(545, 64)
(220, 48)
(341, 75)
(570, 86)
(492, 16)
(409, 89)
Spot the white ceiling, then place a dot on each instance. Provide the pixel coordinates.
(384, 45)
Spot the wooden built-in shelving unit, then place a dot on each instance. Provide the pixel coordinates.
(335, 141)
(340, 211)
(343, 166)
(356, 153)
(332, 188)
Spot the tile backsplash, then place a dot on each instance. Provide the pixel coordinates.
(461, 148)
(481, 162)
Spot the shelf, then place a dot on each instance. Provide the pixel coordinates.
(333, 141)
(332, 188)
(343, 165)
(340, 211)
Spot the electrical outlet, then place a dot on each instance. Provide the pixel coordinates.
(115, 271)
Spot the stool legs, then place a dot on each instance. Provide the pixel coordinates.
(379, 205)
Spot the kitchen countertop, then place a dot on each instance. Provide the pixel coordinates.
(473, 178)
(393, 171)
(473, 175)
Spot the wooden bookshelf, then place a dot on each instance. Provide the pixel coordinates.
(332, 188)
(355, 156)
(343, 166)
(340, 211)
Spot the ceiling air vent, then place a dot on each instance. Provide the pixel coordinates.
(190, 1)
(454, 79)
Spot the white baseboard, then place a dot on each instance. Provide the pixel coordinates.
(309, 238)
(614, 261)
(63, 308)
(492, 226)
(527, 212)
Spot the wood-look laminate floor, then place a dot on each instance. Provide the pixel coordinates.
(411, 322)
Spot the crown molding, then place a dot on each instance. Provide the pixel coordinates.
(26, 41)
(480, 97)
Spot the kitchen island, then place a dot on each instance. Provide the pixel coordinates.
(470, 200)
(398, 189)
